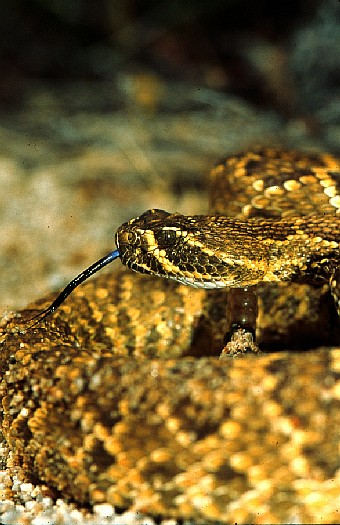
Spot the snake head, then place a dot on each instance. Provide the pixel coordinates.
(191, 250)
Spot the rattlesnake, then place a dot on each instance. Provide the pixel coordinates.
(119, 396)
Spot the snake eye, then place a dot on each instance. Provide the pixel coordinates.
(166, 237)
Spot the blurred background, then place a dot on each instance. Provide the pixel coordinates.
(108, 108)
(282, 55)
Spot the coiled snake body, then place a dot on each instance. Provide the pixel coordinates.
(218, 250)
(116, 399)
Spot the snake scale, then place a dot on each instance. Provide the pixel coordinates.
(119, 396)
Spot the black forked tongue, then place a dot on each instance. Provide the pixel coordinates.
(72, 285)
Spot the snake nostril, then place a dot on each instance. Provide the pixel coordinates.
(166, 237)
(126, 238)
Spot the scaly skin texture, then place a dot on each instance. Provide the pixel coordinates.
(120, 397)
(217, 251)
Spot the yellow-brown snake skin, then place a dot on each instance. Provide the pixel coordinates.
(120, 396)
